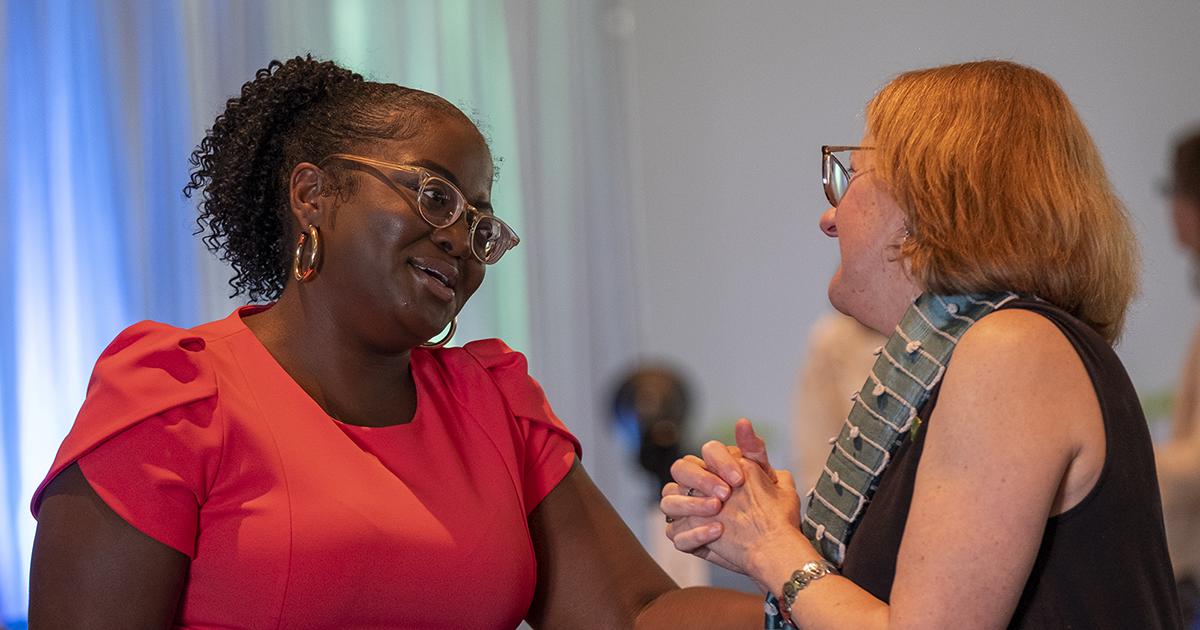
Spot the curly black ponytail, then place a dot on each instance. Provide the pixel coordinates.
(293, 112)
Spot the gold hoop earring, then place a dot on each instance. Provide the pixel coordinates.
(444, 340)
(314, 253)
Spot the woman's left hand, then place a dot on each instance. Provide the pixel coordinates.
(691, 502)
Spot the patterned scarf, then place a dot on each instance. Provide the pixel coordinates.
(909, 366)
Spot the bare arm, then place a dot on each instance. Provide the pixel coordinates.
(92, 569)
(1017, 436)
(593, 573)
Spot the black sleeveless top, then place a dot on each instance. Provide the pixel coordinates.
(1103, 563)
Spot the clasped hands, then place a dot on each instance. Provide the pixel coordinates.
(740, 510)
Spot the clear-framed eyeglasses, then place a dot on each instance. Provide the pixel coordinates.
(835, 176)
(440, 203)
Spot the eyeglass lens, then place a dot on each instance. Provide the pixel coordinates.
(440, 204)
(489, 238)
(835, 178)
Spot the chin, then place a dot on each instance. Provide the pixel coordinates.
(845, 307)
(834, 295)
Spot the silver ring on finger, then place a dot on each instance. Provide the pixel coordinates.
(670, 520)
(691, 492)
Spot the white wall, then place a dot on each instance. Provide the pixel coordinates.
(730, 101)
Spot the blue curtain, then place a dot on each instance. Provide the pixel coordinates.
(96, 235)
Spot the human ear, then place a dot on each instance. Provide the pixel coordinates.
(304, 194)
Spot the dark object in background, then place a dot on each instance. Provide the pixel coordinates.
(649, 409)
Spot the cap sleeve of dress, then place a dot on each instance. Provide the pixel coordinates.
(551, 449)
(150, 371)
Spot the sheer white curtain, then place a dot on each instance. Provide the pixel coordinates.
(103, 100)
(583, 222)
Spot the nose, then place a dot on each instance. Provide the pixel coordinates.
(829, 222)
(455, 238)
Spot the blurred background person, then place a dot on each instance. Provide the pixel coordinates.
(1179, 459)
(651, 407)
(840, 353)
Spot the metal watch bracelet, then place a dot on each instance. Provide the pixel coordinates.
(800, 581)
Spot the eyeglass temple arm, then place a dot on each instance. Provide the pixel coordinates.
(835, 149)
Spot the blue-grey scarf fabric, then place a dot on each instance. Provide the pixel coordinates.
(910, 365)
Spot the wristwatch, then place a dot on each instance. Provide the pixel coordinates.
(800, 581)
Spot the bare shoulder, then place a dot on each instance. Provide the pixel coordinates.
(1016, 330)
(1017, 384)
(1017, 354)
